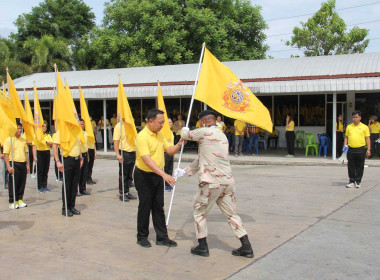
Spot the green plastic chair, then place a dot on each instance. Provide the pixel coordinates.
(311, 142)
(300, 135)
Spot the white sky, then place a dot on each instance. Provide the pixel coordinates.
(271, 9)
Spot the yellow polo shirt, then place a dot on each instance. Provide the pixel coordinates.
(101, 123)
(116, 136)
(375, 127)
(75, 150)
(93, 123)
(43, 146)
(113, 122)
(90, 145)
(180, 124)
(340, 126)
(197, 125)
(356, 135)
(239, 125)
(291, 126)
(84, 147)
(19, 149)
(153, 144)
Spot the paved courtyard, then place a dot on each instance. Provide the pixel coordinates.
(303, 224)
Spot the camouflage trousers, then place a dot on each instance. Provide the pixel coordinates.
(224, 197)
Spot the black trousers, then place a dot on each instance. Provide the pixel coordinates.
(83, 173)
(20, 181)
(150, 188)
(55, 166)
(91, 155)
(31, 160)
(72, 175)
(102, 132)
(128, 164)
(43, 164)
(339, 143)
(374, 145)
(290, 136)
(356, 158)
(169, 162)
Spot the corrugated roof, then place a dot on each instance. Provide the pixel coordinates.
(354, 65)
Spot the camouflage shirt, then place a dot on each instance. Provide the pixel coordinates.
(212, 161)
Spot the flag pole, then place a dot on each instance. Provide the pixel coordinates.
(13, 160)
(55, 128)
(187, 125)
(63, 164)
(121, 150)
(5, 167)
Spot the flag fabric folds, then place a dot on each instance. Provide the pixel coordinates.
(86, 117)
(7, 106)
(67, 118)
(161, 106)
(38, 118)
(124, 112)
(7, 126)
(222, 90)
(28, 126)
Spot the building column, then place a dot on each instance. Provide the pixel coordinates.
(105, 124)
(334, 127)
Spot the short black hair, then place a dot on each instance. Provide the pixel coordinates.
(81, 120)
(358, 112)
(152, 114)
(206, 113)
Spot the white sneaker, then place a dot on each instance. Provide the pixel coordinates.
(33, 176)
(350, 185)
(357, 185)
(12, 206)
(21, 204)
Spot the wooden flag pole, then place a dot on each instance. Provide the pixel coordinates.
(121, 151)
(187, 125)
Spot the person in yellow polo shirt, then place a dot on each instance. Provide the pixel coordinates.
(127, 161)
(239, 137)
(357, 137)
(374, 127)
(177, 127)
(72, 161)
(149, 177)
(339, 135)
(290, 136)
(101, 123)
(43, 159)
(84, 167)
(17, 163)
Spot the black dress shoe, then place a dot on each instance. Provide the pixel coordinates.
(92, 182)
(200, 251)
(130, 196)
(75, 211)
(79, 194)
(69, 213)
(85, 193)
(144, 243)
(131, 185)
(125, 198)
(166, 242)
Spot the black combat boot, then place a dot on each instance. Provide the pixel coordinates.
(245, 250)
(201, 249)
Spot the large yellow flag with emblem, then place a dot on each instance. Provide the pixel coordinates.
(7, 126)
(19, 112)
(86, 117)
(67, 118)
(161, 106)
(124, 112)
(7, 105)
(29, 116)
(38, 118)
(222, 90)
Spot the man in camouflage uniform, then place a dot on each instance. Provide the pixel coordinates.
(216, 184)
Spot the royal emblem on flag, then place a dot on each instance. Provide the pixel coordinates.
(37, 119)
(236, 97)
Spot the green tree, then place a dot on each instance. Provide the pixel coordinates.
(325, 34)
(159, 32)
(69, 19)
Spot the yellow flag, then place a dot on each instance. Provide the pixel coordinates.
(38, 118)
(67, 117)
(7, 106)
(28, 124)
(124, 112)
(161, 106)
(7, 126)
(86, 117)
(222, 90)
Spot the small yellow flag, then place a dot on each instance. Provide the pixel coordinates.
(7, 126)
(86, 117)
(222, 90)
(161, 106)
(38, 118)
(7, 105)
(124, 112)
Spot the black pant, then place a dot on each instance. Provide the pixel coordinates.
(275, 141)
(128, 164)
(339, 143)
(31, 160)
(102, 132)
(150, 188)
(43, 164)
(58, 175)
(91, 155)
(290, 136)
(83, 173)
(169, 162)
(20, 181)
(374, 145)
(72, 175)
(356, 158)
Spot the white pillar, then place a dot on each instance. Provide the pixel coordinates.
(334, 127)
(105, 124)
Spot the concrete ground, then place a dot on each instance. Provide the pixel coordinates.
(303, 224)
